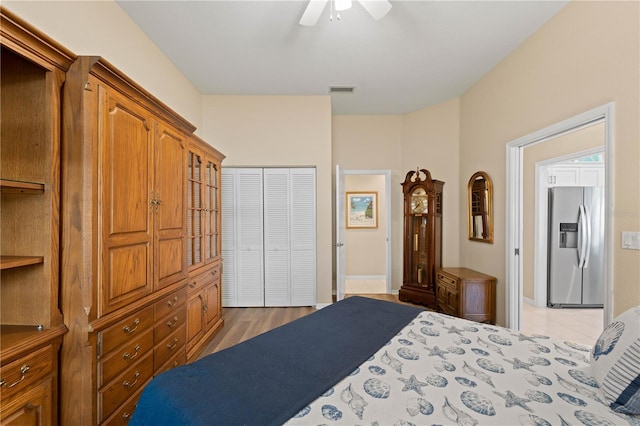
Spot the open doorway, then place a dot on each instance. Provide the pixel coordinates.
(367, 266)
(515, 244)
(561, 297)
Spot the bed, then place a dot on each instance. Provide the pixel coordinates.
(367, 361)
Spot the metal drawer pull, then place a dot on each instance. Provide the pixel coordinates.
(126, 383)
(23, 371)
(128, 356)
(172, 324)
(130, 330)
(126, 416)
(172, 346)
(170, 303)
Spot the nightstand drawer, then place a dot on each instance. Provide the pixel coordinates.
(447, 281)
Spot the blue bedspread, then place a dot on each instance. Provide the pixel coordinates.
(268, 379)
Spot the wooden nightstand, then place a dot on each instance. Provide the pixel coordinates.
(466, 293)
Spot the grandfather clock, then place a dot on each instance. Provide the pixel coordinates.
(422, 237)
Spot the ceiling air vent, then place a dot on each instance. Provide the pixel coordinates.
(341, 89)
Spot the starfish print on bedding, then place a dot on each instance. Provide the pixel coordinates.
(436, 351)
(510, 400)
(521, 337)
(517, 364)
(412, 383)
(453, 329)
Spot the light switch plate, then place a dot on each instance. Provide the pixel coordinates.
(631, 240)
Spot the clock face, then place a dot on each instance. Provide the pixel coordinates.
(419, 201)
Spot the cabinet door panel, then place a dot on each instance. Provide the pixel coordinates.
(33, 407)
(194, 209)
(126, 191)
(170, 197)
(195, 319)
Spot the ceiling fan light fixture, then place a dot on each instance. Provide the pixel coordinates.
(376, 8)
(342, 4)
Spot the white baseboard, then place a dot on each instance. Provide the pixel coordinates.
(366, 277)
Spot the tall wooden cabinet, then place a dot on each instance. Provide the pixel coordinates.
(204, 307)
(130, 252)
(32, 74)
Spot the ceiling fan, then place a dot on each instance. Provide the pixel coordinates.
(376, 8)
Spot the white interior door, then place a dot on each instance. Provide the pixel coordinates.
(340, 233)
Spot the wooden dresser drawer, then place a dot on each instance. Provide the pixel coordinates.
(124, 412)
(447, 281)
(178, 359)
(202, 279)
(172, 344)
(171, 322)
(124, 356)
(120, 333)
(466, 293)
(169, 303)
(17, 376)
(124, 386)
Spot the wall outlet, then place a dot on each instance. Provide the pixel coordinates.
(631, 240)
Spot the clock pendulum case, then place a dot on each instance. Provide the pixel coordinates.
(422, 246)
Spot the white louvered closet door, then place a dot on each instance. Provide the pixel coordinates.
(303, 237)
(277, 219)
(244, 231)
(288, 274)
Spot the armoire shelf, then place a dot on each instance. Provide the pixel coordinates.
(8, 186)
(8, 262)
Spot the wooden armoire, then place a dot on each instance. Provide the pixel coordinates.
(32, 74)
(141, 264)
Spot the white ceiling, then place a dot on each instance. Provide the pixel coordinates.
(420, 54)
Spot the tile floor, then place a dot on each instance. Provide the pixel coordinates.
(575, 324)
(578, 325)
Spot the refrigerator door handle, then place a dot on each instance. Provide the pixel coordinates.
(582, 237)
(588, 239)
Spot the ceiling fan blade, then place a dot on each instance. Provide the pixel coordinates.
(312, 12)
(376, 8)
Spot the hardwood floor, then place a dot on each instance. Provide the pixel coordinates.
(241, 324)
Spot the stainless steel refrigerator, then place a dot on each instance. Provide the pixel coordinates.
(575, 271)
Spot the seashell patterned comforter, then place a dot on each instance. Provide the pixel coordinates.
(445, 370)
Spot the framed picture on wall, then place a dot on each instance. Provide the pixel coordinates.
(362, 210)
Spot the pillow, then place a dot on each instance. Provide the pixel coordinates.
(615, 362)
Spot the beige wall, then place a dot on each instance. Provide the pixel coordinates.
(280, 131)
(430, 140)
(372, 142)
(581, 140)
(585, 56)
(427, 139)
(366, 248)
(101, 28)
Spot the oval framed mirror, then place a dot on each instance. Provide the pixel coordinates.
(480, 208)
